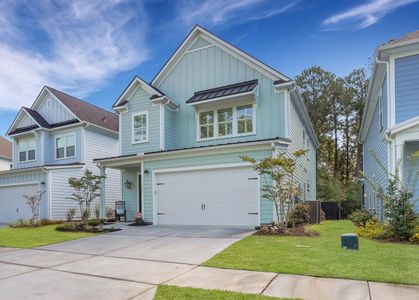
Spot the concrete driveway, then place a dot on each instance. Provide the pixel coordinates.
(122, 265)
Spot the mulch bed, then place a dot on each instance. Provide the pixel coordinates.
(294, 231)
(141, 224)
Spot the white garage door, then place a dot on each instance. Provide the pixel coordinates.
(228, 196)
(12, 205)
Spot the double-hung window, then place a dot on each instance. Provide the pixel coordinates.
(206, 125)
(140, 127)
(27, 150)
(245, 119)
(65, 146)
(225, 122)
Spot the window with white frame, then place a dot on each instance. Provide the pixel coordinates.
(244, 119)
(65, 146)
(226, 122)
(140, 127)
(206, 125)
(380, 112)
(27, 149)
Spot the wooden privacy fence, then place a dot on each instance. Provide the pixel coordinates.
(315, 207)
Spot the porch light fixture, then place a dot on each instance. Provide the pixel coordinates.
(146, 171)
(128, 184)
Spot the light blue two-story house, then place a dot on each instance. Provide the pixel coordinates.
(57, 138)
(181, 136)
(390, 124)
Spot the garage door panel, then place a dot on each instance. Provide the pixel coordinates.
(230, 196)
(12, 204)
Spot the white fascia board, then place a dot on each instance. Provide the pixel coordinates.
(53, 96)
(404, 125)
(229, 48)
(136, 81)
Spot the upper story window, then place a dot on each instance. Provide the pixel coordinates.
(65, 146)
(140, 127)
(27, 150)
(245, 119)
(226, 122)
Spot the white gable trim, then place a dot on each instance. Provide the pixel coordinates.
(232, 50)
(41, 96)
(17, 118)
(135, 83)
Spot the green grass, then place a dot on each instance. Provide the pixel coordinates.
(322, 256)
(30, 237)
(173, 293)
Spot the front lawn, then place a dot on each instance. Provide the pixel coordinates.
(30, 237)
(322, 256)
(174, 293)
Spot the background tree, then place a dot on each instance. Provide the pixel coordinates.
(335, 105)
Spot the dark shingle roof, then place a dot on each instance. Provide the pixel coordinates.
(408, 37)
(223, 91)
(88, 112)
(5, 148)
(37, 117)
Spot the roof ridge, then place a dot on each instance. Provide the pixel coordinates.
(226, 86)
(77, 99)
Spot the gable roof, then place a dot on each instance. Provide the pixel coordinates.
(36, 117)
(199, 31)
(154, 92)
(223, 91)
(406, 38)
(87, 112)
(5, 148)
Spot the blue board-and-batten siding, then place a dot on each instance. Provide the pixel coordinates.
(407, 87)
(376, 143)
(211, 67)
(411, 169)
(139, 102)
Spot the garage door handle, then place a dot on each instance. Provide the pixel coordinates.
(252, 213)
(161, 214)
(252, 178)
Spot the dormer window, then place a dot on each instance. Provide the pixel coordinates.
(27, 150)
(140, 127)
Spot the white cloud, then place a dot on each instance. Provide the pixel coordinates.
(220, 12)
(367, 14)
(72, 45)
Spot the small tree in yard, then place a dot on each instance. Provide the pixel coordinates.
(86, 190)
(34, 201)
(282, 191)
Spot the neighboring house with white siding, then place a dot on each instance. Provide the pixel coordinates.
(390, 124)
(5, 154)
(57, 138)
(182, 135)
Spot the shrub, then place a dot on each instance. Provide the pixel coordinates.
(374, 230)
(22, 223)
(361, 217)
(45, 222)
(415, 236)
(322, 216)
(94, 222)
(300, 215)
(110, 213)
(71, 212)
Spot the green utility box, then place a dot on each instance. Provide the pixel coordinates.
(349, 241)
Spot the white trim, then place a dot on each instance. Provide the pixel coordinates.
(83, 145)
(120, 132)
(404, 125)
(287, 113)
(65, 135)
(198, 49)
(49, 195)
(133, 115)
(392, 93)
(52, 94)
(230, 49)
(162, 133)
(203, 168)
(216, 149)
(19, 115)
(64, 167)
(137, 182)
(137, 80)
(234, 125)
(142, 188)
(27, 151)
(252, 92)
(19, 184)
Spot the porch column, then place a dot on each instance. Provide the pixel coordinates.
(102, 204)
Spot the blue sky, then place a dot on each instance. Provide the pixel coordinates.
(92, 49)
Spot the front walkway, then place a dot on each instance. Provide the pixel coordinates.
(130, 263)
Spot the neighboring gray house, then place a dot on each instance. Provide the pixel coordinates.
(182, 136)
(390, 124)
(57, 138)
(5, 154)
